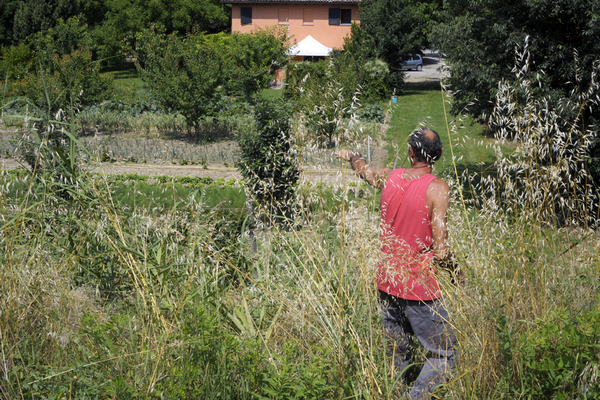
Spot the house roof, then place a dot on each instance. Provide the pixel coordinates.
(309, 47)
(292, 1)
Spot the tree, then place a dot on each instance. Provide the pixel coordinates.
(93, 11)
(182, 73)
(479, 38)
(124, 19)
(179, 15)
(40, 15)
(251, 59)
(267, 160)
(61, 39)
(390, 30)
(66, 82)
(428, 13)
(8, 8)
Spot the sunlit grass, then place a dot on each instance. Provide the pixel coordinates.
(270, 94)
(128, 86)
(423, 104)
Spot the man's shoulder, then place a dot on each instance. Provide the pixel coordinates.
(438, 186)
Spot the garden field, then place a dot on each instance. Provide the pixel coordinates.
(156, 285)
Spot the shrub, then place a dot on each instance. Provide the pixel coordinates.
(372, 113)
(267, 160)
(251, 59)
(375, 85)
(70, 81)
(560, 357)
(15, 62)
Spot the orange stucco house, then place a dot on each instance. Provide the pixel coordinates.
(325, 23)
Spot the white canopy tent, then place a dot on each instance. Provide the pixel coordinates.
(309, 47)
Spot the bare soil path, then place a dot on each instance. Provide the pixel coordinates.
(328, 176)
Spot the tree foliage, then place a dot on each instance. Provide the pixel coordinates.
(61, 39)
(251, 59)
(40, 15)
(389, 29)
(124, 19)
(112, 24)
(8, 8)
(67, 82)
(479, 38)
(267, 160)
(182, 73)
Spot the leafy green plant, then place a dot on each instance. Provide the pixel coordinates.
(376, 85)
(372, 113)
(69, 82)
(251, 59)
(267, 160)
(560, 356)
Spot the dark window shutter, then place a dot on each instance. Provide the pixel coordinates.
(334, 16)
(346, 16)
(246, 15)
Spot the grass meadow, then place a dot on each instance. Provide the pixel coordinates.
(126, 287)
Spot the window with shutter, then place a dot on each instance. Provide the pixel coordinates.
(246, 15)
(334, 16)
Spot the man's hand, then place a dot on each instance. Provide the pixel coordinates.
(374, 176)
(344, 154)
(450, 264)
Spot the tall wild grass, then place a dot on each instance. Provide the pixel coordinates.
(100, 301)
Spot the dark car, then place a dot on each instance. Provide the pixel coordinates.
(413, 62)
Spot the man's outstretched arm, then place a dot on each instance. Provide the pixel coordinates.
(376, 177)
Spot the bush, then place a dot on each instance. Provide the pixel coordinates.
(70, 81)
(267, 160)
(15, 61)
(560, 357)
(250, 59)
(182, 74)
(375, 85)
(372, 113)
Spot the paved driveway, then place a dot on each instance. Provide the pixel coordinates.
(431, 69)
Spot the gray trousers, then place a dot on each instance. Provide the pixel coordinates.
(428, 321)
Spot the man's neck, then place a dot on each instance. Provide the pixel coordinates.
(421, 166)
(417, 170)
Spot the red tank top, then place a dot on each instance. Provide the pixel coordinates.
(405, 269)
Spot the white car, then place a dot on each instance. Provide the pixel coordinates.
(414, 62)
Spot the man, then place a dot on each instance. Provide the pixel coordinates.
(414, 204)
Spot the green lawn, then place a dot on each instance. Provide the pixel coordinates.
(128, 85)
(271, 94)
(423, 103)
